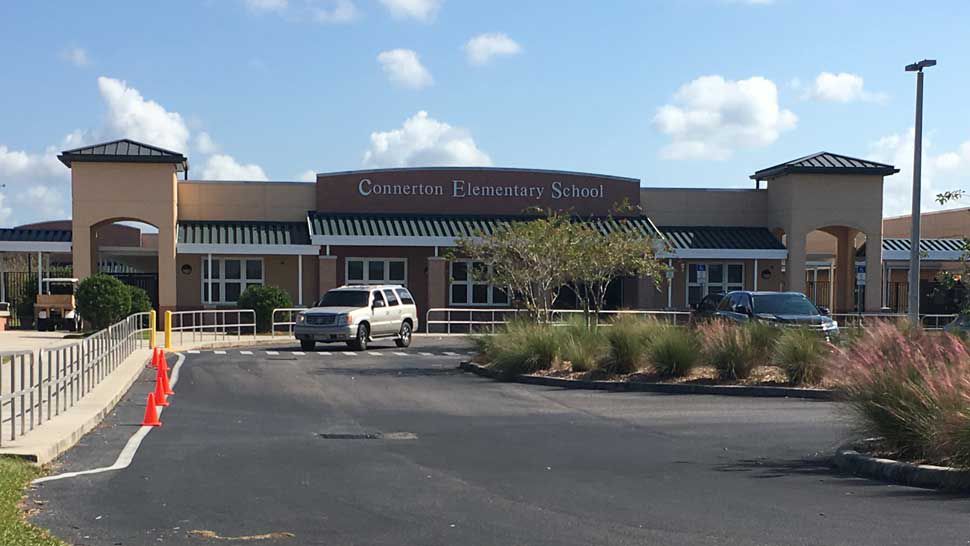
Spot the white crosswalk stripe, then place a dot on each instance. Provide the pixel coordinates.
(245, 352)
(426, 354)
(348, 353)
(402, 354)
(323, 353)
(219, 352)
(374, 353)
(447, 353)
(272, 353)
(299, 353)
(194, 352)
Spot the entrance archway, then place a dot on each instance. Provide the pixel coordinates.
(127, 249)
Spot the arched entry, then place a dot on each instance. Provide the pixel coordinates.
(127, 250)
(832, 272)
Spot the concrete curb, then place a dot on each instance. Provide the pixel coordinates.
(848, 459)
(48, 441)
(668, 388)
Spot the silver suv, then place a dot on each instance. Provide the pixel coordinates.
(357, 314)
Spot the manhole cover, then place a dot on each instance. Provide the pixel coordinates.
(368, 435)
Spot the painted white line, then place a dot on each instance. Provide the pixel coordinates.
(451, 354)
(374, 353)
(348, 353)
(402, 354)
(272, 353)
(299, 353)
(194, 352)
(426, 354)
(131, 448)
(219, 352)
(324, 353)
(245, 352)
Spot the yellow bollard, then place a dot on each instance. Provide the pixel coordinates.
(152, 326)
(168, 329)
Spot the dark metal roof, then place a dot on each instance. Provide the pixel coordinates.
(243, 233)
(124, 151)
(720, 238)
(825, 163)
(926, 246)
(430, 225)
(35, 235)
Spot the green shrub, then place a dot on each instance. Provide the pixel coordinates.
(764, 336)
(523, 348)
(628, 339)
(584, 348)
(674, 352)
(729, 348)
(262, 300)
(102, 300)
(801, 353)
(140, 302)
(912, 390)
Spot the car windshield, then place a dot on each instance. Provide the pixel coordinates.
(344, 298)
(783, 304)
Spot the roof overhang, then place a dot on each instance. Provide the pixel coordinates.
(248, 250)
(725, 254)
(36, 246)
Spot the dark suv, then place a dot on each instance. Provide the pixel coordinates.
(786, 308)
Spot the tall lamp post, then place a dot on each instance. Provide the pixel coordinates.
(917, 190)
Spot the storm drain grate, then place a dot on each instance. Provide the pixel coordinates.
(368, 435)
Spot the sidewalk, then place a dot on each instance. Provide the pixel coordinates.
(19, 340)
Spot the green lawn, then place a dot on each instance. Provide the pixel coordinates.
(14, 530)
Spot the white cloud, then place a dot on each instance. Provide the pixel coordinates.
(341, 11)
(482, 48)
(842, 87)
(941, 172)
(711, 117)
(35, 186)
(308, 175)
(204, 144)
(46, 200)
(130, 115)
(424, 141)
(421, 10)
(225, 167)
(6, 213)
(404, 68)
(76, 56)
(266, 5)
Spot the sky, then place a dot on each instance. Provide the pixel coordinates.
(677, 93)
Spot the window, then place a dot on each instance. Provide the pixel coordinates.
(391, 298)
(378, 300)
(405, 296)
(229, 278)
(376, 271)
(713, 278)
(469, 288)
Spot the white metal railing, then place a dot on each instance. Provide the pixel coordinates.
(484, 319)
(856, 320)
(37, 386)
(213, 324)
(285, 317)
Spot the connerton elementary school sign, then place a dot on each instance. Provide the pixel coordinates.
(472, 191)
(461, 189)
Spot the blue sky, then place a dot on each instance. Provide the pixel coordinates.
(676, 93)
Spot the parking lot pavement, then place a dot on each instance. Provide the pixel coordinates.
(391, 449)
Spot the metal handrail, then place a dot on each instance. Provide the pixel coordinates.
(855, 320)
(493, 316)
(45, 383)
(217, 324)
(289, 322)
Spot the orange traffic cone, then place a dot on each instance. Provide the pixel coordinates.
(160, 397)
(151, 413)
(162, 377)
(154, 362)
(162, 363)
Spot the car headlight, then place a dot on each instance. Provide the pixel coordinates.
(344, 320)
(829, 326)
(300, 318)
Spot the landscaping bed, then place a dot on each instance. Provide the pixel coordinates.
(15, 476)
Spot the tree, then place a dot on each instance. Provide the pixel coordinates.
(140, 302)
(262, 300)
(529, 259)
(102, 300)
(951, 284)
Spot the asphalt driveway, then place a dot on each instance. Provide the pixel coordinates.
(396, 446)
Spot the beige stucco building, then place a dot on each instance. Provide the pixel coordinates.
(800, 218)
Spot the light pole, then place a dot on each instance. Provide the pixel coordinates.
(917, 191)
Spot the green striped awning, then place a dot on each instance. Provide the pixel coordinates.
(721, 237)
(424, 230)
(244, 237)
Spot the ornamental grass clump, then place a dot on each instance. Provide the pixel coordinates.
(763, 336)
(628, 339)
(674, 352)
(583, 348)
(729, 348)
(523, 348)
(912, 390)
(801, 354)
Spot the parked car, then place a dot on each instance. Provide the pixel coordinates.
(783, 308)
(959, 325)
(358, 314)
(706, 309)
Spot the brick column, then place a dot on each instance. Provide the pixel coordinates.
(437, 285)
(327, 277)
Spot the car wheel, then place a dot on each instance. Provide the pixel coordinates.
(404, 336)
(307, 344)
(360, 343)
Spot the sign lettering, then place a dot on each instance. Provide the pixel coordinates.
(461, 189)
